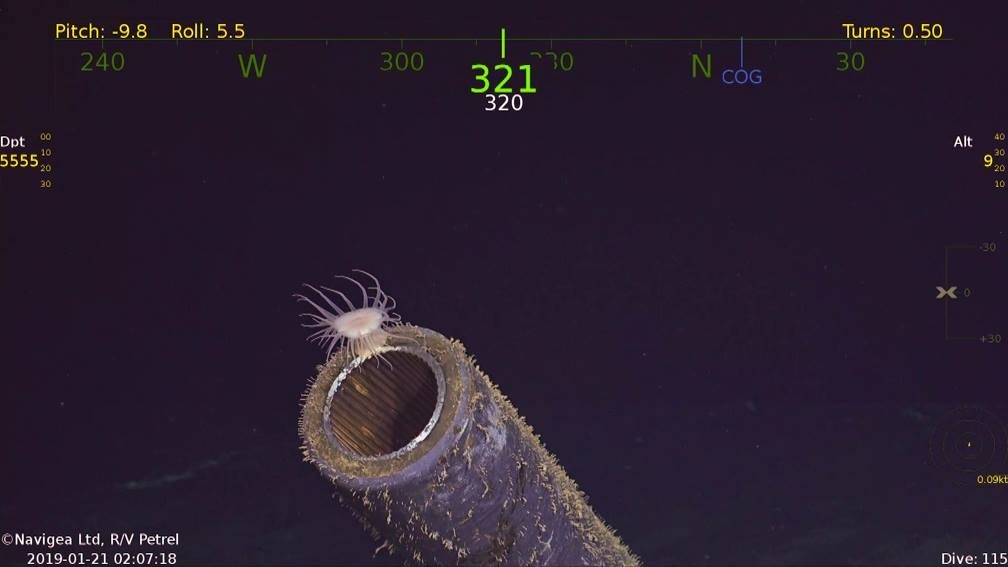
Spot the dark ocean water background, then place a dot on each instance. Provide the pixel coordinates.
(715, 305)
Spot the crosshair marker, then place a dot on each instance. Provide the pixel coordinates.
(946, 293)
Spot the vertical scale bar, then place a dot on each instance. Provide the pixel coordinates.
(503, 48)
(946, 287)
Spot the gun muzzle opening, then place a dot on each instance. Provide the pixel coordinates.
(384, 404)
(427, 453)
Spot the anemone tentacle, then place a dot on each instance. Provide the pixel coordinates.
(360, 330)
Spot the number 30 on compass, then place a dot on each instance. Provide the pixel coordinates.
(505, 73)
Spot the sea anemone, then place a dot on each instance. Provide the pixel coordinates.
(360, 329)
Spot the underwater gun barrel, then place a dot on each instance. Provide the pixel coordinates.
(439, 467)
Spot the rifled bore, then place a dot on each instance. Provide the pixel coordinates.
(379, 406)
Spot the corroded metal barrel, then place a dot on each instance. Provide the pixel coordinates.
(439, 467)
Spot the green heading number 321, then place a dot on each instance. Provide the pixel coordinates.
(483, 78)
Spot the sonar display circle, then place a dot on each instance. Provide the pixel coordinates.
(969, 441)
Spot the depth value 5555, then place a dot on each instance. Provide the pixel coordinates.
(19, 160)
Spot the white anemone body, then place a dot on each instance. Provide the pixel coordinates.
(360, 329)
